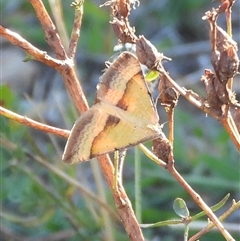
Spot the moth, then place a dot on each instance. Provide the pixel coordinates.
(124, 114)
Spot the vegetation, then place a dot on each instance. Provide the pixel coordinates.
(46, 199)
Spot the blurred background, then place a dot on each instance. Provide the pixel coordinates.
(38, 202)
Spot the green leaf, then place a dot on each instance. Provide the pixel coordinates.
(28, 57)
(151, 75)
(213, 208)
(159, 224)
(180, 208)
(6, 96)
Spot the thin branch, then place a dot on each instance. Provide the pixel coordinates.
(75, 183)
(71, 181)
(211, 225)
(37, 54)
(66, 69)
(151, 156)
(57, 12)
(49, 29)
(69, 210)
(193, 98)
(34, 124)
(122, 201)
(171, 125)
(198, 200)
(231, 128)
(75, 35)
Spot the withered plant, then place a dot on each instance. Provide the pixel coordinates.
(220, 102)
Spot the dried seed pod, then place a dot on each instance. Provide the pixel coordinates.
(227, 64)
(123, 31)
(120, 12)
(225, 5)
(218, 93)
(121, 8)
(168, 95)
(224, 58)
(147, 53)
(162, 149)
(212, 97)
